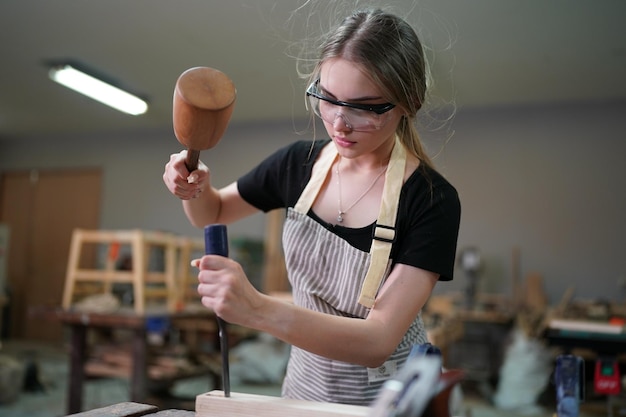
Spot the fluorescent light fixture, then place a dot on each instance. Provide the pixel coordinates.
(98, 90)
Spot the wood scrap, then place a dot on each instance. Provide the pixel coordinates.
(103, 369)
(215, 404)
(535, 298)
(516, 284)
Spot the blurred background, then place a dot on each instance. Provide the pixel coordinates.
(525, 117)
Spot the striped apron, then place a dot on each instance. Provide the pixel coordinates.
(328, 275)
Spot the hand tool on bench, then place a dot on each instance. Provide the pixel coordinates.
(420, 389)
(216, 243)
(408, 393)
(204, 99)
(423, 349)
(569, 380)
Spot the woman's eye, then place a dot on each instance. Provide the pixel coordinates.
(358, 111)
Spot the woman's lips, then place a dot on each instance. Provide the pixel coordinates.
(343, 142)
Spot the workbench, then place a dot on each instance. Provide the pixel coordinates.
(480, 350)
(214, 404)
(601, 339)
(81, 323)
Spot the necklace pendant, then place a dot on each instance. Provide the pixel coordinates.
(340, 216)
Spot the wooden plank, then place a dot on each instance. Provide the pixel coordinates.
(100, 369)
(214, 404)
(535, 297)
(586, 326)
(516, 284)
(125, 318)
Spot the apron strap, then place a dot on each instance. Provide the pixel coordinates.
(318, 176)
(384, 230)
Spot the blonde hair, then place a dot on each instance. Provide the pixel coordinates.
(390, 52)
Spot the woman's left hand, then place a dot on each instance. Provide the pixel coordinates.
(225, 289)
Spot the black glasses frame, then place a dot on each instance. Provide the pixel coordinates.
(375, 108)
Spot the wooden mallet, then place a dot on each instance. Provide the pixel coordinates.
(204, 99)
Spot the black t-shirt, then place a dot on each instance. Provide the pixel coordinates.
(428, 217)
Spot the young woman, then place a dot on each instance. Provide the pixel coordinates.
(370, 225)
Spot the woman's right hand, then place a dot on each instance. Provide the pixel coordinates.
(182, 183)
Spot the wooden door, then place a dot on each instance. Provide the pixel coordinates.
(42, 208)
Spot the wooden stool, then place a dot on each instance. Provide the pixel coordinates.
(146, 284)
(188, 249)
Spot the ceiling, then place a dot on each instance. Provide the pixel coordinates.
(482, 52)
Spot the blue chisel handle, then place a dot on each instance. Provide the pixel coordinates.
(216, 243)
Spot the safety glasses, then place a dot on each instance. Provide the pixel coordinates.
(359, 117)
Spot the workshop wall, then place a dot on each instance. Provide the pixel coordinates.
(548, 180)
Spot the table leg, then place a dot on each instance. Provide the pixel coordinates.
(139, 378)
(78, 354)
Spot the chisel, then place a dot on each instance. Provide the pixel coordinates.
(216, 243)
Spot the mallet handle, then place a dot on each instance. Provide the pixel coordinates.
(191, 162)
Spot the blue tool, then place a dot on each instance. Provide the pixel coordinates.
(424, 349)
(409, 393)
(411, 390)
(216, 243)
(569, 379)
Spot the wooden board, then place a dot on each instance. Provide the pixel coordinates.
(214, 404)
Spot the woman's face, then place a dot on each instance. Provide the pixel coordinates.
(345, 81)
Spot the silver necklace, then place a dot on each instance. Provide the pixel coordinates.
(342, 212)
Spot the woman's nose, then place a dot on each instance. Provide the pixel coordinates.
(341, 123)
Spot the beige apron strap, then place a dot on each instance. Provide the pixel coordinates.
(318, 175)
(384, 229)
